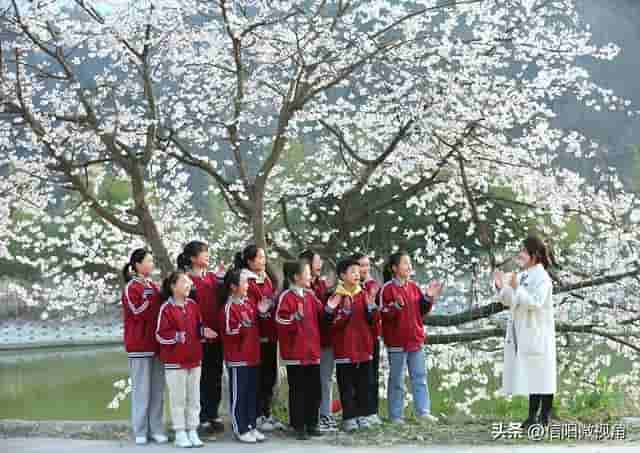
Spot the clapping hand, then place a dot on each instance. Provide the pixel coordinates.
(264, 305)
(333, 302)
(514, 280)
(300, 312)
(246, 322)
(209, 333)
(498, 278)
(434, 290)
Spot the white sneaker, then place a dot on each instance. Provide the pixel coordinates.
(397, 421)
(195, 440)
(277, 424)
(350, 425)
(159, 438)
(260, 421)
(258, 435)
(265, 424)
(375, 420)
(247, 438)
(141, 440)
(182, 440)
(428, 417)
(363, 423)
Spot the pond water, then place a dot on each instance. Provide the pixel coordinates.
(76, 383)
(55, 384)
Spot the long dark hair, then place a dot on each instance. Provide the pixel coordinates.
(358, 256)
(393, 260)
(308, 256)
(249, 253)
(230, 278)
(290, 269)
(241, 259)
(137, 257)
(537, 249)
(191, 250)
(344, 265)
(169, 281)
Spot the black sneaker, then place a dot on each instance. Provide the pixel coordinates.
(327, 424)
(314, 432)
(301, 435)
(527, 423)
(211, 427)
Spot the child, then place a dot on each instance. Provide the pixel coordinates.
(253, 262)
(371, 287)
(194, 260)
(140, 306)
(403, 306)
(180, 332)
(242, 354)
(352, 332)
(298, 318)
(320, 288)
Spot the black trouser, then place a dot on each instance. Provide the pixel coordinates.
(374, 376)
(242, 404)
(211, 381)
(267, 377)
(304, 396)
(354, 387)
(537, 400)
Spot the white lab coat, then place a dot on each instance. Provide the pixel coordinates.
(530, 341)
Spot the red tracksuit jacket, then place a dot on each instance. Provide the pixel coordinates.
(207, 287)
(299, 338)
(180, 334)
(321, 290)
(140, 305)
(352, 328)
(261, 287)
(371, 286)
(402, 326)
(241, 335)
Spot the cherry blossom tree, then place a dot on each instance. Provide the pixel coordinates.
(433, 116)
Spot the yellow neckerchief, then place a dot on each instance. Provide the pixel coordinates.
(342, 291)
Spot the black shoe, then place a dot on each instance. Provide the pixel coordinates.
(302, 435)
(216, 426)
(314, 432)
(527, 423)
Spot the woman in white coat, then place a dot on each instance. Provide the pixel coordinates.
(530, 342)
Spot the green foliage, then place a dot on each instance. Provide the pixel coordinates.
(115, 190)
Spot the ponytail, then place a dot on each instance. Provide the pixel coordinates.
(239, 262)
(191, 250)
(393, 260)
(537, 249)
(126, 272)
(168, 283)
(290, 269)
(241, 259)
(232, 277)
(137, 257)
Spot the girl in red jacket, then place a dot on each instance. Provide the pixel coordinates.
(241, 337)
(352, 333)
(140, 305)
(180, 332)
(194, 260)
(298, 317)
(371, 287)
(253, 263)
(320, 288)
(403, 306)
